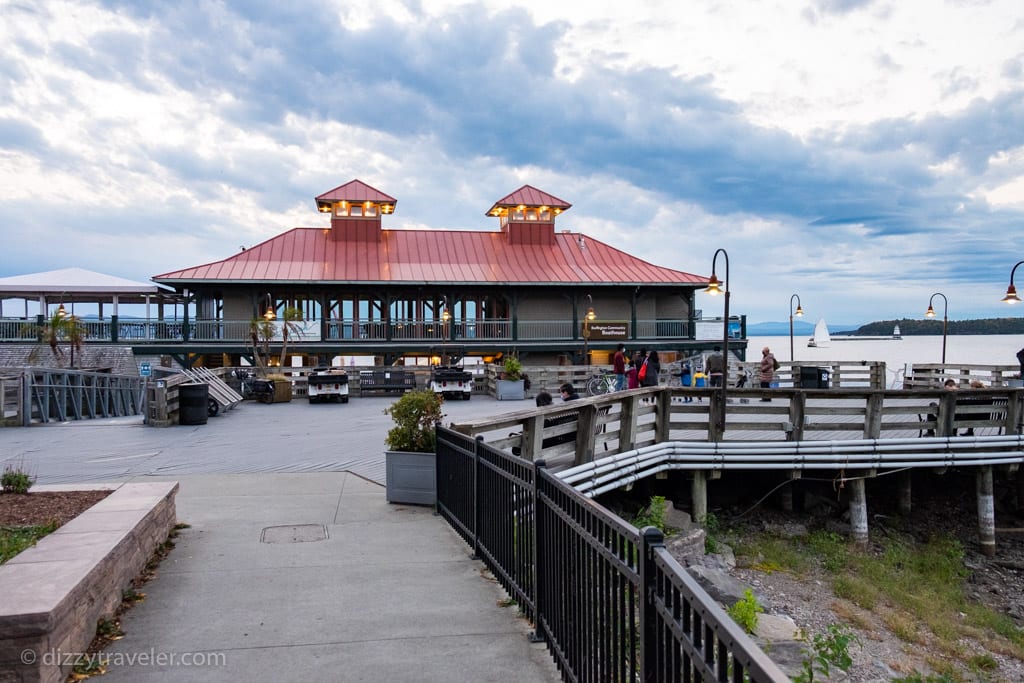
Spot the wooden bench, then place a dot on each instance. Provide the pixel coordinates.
(386, 380)
(968, 412)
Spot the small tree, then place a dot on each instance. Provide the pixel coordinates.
(62, 329)
(415, 415)
(261, 331)
(290, 319)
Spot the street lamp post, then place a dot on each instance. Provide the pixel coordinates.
(930, 313)
(587, 319)
(799, 314)
(1011, 291)
(715, 287)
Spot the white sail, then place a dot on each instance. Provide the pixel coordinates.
(821, 336)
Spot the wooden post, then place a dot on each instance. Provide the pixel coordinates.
(904, 503)
(873, 416)
(627, 423)
(716, 416)
(797, 406)
(858, 512)
(786, 494)
(986, 511)
(662, 415)
(532, 438)
(586, 427)
(699, 496)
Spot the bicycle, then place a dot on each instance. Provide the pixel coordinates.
(603, 383)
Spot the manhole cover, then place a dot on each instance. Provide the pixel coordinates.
(294, 533)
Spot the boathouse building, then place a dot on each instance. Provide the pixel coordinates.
(530, 286)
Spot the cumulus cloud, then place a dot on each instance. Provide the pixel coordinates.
(176, 132)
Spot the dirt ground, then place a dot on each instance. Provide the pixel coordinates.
(43, 507)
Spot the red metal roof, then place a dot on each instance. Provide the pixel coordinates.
(310, 255)
(527, 195)
(355, 191)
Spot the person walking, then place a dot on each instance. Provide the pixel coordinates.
(766, 371)
(715, 367)
(619, 367)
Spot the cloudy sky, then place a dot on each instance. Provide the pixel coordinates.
(860, 153)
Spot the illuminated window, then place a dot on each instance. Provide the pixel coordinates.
(371, 210)
(356, 211)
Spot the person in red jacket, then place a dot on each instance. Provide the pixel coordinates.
(619, 367)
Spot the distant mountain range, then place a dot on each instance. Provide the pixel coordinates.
(881, 328)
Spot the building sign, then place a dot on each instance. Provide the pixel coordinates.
(145, 369)
(710, 330)
(608, 330)
(302, 330)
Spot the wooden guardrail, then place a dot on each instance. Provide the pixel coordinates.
(622, 421)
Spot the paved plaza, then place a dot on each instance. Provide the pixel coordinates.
(294, 568)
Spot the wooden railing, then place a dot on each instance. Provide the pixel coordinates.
(622, 421)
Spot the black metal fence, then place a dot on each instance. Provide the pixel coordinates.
(609, 601)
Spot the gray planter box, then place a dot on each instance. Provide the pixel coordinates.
(410, 477)
(510, 390)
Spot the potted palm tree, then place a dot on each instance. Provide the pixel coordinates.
(510, 385)
(409, 460)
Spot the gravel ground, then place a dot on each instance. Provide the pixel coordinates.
(881, 654)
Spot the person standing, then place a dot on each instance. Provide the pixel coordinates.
(651, 368)
(632, 381)
(715, 367)
(686, 379)
(766, 371)
(619, 367)
(1020, 359)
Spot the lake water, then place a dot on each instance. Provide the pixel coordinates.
(982, 349)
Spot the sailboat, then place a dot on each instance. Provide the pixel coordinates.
(896, 332)
(821, 336)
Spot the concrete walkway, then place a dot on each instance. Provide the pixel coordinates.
(389, 595)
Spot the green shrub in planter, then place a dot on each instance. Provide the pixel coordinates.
(415, 415)
(513, 370)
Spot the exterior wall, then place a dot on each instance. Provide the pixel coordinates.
(541, 307)
(237, 306)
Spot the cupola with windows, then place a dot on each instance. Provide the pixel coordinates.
(356, 210)
(528, 215)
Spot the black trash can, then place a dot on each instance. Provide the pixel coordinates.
(814, 378)
(193, 404)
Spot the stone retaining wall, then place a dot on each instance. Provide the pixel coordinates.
(52, 595)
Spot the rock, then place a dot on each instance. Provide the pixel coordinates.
(687, 547)
(774, 628)
(724, 558)
(677, 519)
(722, 587)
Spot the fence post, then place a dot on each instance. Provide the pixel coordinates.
(650, 538)
(538, 589)
(26, 398)
(476, 496)
(873, 416)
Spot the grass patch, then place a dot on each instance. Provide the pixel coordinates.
(15, 539)
(917, 590)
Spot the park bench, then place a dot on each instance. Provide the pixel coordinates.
(386, 380)
(969, 412)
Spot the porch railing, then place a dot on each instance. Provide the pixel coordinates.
(608, 600)
(483, 329)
